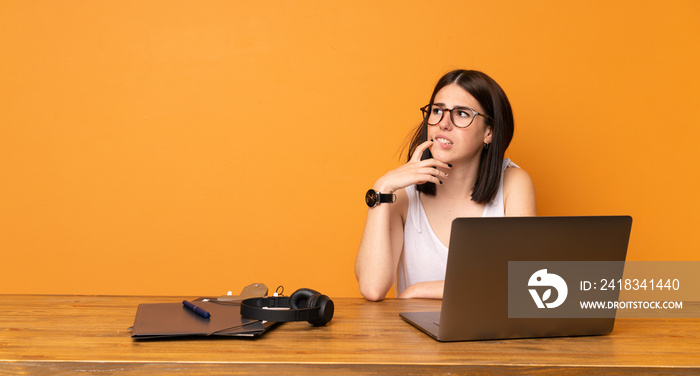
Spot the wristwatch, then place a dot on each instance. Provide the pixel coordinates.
(374, 198)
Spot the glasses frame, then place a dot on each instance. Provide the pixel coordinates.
(426, 114)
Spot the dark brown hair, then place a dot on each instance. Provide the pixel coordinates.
(496, 105)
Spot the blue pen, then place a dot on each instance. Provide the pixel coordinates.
(198, 310)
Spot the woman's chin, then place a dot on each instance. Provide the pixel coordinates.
(441, 156)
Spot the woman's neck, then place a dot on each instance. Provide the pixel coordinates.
(460, 182)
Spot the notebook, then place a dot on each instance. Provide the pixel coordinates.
(170, 320)
(475, 303)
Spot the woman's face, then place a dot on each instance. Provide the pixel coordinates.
(452, 144)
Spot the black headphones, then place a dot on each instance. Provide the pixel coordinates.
(305, 305)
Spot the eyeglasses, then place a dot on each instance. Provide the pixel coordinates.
(461, 117)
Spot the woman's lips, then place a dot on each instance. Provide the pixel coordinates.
(443, 141)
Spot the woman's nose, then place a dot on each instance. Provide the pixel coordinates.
(446, 121)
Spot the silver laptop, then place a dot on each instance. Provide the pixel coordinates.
(475, 303)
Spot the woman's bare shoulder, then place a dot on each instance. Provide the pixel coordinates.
(519, 193)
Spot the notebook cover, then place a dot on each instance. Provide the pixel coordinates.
(162, 320)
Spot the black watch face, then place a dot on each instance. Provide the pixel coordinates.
(371, 198)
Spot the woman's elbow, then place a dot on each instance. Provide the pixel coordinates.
(372, 294)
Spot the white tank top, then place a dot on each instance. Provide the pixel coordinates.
(424, 257)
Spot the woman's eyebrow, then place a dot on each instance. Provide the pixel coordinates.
(445, 106)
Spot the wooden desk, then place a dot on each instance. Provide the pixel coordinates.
(88, 334)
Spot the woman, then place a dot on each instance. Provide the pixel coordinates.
(456, 168)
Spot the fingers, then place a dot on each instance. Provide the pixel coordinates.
(432, 175)
(434, 163)
(418, 153)
(429, 170)
(414, 171)
(411, 173)
(429, 179)
(432, 172)
(419, 150)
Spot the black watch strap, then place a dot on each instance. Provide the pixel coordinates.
(374, 198)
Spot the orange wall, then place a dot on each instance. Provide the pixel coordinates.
(179, 147)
